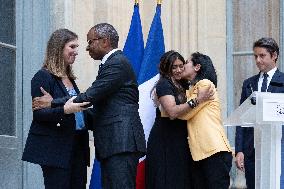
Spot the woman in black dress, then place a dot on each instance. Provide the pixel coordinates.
(168, 163)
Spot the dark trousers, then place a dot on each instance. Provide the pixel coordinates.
(119, 171)
(74, 177)
(213, 172)
(250, 172)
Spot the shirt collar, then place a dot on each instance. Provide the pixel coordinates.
(107, 55)
(270, 73)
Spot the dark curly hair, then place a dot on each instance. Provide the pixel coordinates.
(165, 69)
(167, 61)
(206, 71)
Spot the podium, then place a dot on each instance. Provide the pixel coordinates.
(267, 118)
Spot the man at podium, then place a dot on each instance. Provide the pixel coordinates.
(269, 79)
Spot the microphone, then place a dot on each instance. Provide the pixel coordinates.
(253, 98)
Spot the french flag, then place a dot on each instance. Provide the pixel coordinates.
(134, 50)
(147, 77)
(148, 74)
(95, 182)
(134, 44)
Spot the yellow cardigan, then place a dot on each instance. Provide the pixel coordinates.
(206, 135)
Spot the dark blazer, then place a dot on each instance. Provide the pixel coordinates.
(51, 134)
(244, 141)
(114, 95)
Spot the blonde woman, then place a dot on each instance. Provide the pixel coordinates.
(58, 139)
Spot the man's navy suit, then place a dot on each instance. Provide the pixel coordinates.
(115, 95)
(116, 123)
(245, 135)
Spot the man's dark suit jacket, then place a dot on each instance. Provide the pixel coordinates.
(116, 121)
(244, 135)
(51, 134)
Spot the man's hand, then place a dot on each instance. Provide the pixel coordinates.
(43, 101)
(240, 161)
(206, 93)
(71, 107)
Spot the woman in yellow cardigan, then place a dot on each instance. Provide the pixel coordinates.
(207, 140)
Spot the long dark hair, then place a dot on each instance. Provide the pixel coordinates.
(206, 71)
(165, 69)
(166, 63)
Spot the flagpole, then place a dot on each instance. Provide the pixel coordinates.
(136, 2)
(159, 2)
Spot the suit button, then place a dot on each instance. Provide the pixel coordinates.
(58, 124)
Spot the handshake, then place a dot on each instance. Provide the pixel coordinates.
(69, 107)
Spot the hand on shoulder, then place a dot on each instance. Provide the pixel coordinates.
(205, 90)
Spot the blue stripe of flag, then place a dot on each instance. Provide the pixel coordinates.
(154, 49)
(134, 45)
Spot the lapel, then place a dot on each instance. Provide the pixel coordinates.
(254, 82)
(276, 78)
(75, 86)
(62, 86)
(108, 60)
(112, 55)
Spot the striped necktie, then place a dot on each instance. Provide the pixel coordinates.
(264, 82)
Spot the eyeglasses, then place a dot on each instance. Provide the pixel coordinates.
(90, 42)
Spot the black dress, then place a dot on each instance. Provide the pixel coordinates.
(168, 159)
